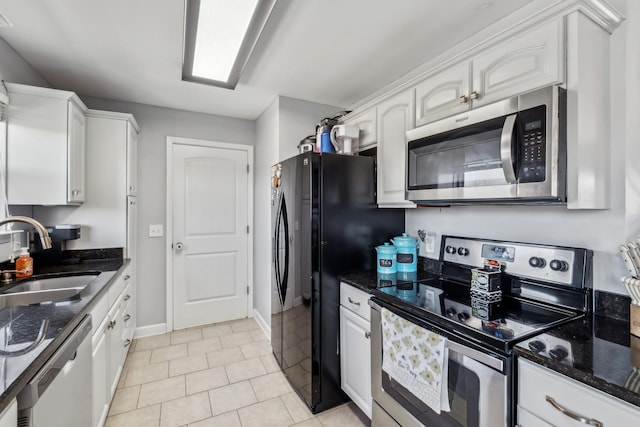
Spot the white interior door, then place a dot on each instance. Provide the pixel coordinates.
(210, 234)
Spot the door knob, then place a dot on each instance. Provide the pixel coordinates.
(179, 246)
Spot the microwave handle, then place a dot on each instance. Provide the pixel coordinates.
(506, 141)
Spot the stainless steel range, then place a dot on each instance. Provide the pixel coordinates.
(487, 296)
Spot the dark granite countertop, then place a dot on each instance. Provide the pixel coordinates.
(372, 282)
(20, 325)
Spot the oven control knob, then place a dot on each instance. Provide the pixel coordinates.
(558, 353)
(463, 251)
(557, 265)
(450, 249)
(537, 346)
(463, 317)
(537, 262)
(451, 311)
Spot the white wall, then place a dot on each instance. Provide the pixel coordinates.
(599, 230)
(156, 124)
(14, 69)
(278, 131)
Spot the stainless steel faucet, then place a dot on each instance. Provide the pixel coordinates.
(45, 240)
(44, 236)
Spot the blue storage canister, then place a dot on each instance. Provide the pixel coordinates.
(386, 258)
(407, 257)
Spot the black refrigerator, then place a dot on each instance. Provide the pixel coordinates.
(325, 222)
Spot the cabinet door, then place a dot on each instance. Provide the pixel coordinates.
(116, 347)
(100, 368)
(366, 122)
(527, 419)
(355, 359)
(9, 417)
(395, 117)
(76, 154)
(528, 61)
(443, 94)
(132, 160)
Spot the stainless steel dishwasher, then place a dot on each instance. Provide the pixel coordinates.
(59, 395)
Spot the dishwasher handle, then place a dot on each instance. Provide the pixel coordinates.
(66, 352)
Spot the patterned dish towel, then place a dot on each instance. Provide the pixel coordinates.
(417, 359)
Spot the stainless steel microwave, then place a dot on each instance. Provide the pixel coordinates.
(510, 151)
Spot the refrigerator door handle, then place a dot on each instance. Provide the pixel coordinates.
(285, 275)
(276, 258)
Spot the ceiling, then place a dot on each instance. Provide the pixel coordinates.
(333, 52)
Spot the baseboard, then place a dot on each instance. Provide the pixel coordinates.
(263, 325)
(150, 330)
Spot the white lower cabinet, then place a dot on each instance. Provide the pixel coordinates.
(548, 398)
(355, 349)
(114, 324)
(9, 417)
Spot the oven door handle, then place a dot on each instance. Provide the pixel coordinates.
(474, 354)
(506, 144)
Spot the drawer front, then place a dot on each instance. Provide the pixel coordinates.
(99, 312)
(537, 385)
(116, 288)
(355, 300)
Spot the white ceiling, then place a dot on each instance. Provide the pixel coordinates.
(333, 52)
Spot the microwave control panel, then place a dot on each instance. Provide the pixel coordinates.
(533, 145)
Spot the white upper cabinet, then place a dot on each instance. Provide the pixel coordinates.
(527, 61)
(45, 146)
(531, 60)
(366, 122)
(443, 94)
(395, 116)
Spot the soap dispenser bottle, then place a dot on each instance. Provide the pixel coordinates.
(24, 264)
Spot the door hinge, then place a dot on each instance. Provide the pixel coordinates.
(247, 168)
(247, 229)
(247, 290)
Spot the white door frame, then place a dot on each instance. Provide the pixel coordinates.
(171, 141)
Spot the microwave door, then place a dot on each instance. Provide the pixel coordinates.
(465, 164)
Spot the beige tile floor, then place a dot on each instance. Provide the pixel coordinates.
(217, 375)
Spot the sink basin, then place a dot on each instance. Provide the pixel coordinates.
(37, 297)
(53, 283)
(46, 289)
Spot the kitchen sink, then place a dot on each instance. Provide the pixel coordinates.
(46, 289)
(76, 281)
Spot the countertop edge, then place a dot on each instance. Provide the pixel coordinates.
(23, 379)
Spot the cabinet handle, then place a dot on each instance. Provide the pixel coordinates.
(474, 95)
(127, 317)
(569, 413)
(111, 324)
(127, 342)
(356, 303)
(367, 335)
(127, 277)
(127, 297)
(463, 99)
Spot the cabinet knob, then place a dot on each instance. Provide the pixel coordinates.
(111, 324)
(474, 95)
(463, 99)
(367, 335)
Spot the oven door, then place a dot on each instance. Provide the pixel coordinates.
(477, 382)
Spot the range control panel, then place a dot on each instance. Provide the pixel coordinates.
(541, 262)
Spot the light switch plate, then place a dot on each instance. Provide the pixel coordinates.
(156, 230)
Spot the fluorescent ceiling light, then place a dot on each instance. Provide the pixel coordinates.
(219, 37)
